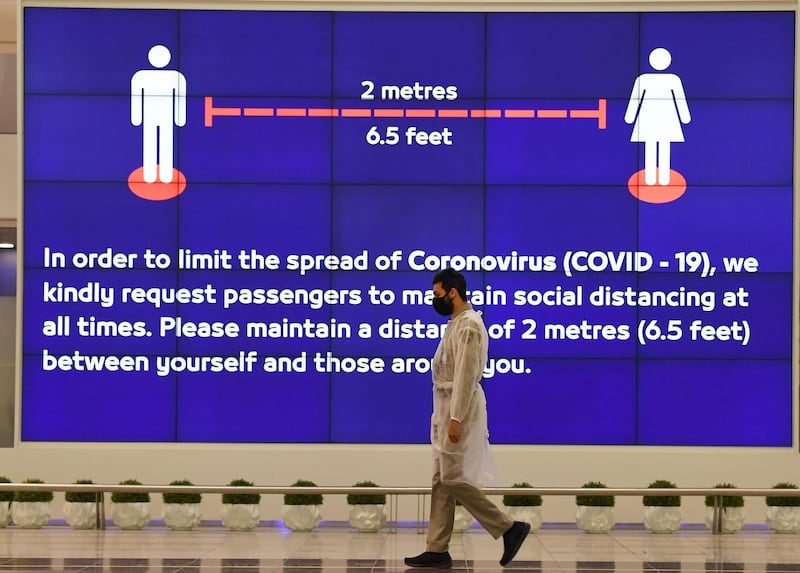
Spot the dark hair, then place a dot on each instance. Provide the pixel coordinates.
(451, 278)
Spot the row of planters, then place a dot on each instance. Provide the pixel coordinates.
(302, 512)
(662, 514)
(131, 510)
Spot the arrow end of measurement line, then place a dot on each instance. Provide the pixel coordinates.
(599, 113)
(210, 111)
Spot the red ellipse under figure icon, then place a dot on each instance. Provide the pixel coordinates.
(156, 191)
(657, 193)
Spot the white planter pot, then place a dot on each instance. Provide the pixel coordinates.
(528, 513)
(662, 519)
(732, 519)
(5, 513)
(240, 516)
(81, 514)
(181, 516)
(301, 517)
(783, 519)
(593, 519)
(131, 515)
(462, 520)
(367, 518)
(30, 514)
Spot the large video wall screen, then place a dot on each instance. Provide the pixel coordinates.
(232, 220)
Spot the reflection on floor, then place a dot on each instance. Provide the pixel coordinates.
(557, 548)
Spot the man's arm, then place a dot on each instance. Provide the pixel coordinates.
(180, 101)
(136, 99)
(466, 373)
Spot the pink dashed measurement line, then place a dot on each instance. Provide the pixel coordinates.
(212, 111)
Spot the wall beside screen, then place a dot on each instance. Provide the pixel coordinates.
(272, 294)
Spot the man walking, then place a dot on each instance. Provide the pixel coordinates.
(459, 433)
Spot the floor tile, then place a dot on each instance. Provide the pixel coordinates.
(339, 549)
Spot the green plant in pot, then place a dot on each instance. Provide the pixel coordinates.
(783, 511)
(367, 511)
(727, 500)
(595, 513)
(31, 509)
(240, 511)
(522, 500)
(180, 498)
(524, 507)
(6, 497)
(130, 496)
(366, 498)
(80, 507)
(732, 510)
(130, 509)
(241, 498)
(662, 513)
(595, 500)
(302, 511)
(37, 496)
(82, 496)
(303, 498)
(181, 510)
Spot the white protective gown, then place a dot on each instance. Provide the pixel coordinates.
(457, 370)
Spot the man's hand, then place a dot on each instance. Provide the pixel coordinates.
(454, 431)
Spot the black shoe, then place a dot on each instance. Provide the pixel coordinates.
(512, 540)
(431, 559)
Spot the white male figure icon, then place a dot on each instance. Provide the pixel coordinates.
(658, 105)
(158, 103)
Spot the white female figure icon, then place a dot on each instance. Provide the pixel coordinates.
(158, 103)
(658, 106)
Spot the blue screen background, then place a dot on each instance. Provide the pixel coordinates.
(287, 185)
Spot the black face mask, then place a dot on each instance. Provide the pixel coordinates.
(442, 305)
